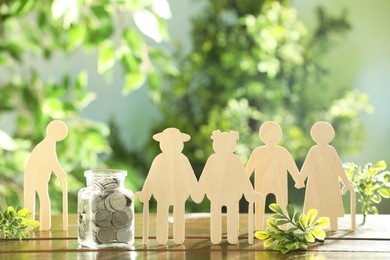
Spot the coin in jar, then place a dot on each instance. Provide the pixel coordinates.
(103, 218)
(120, 219)
(105, 235)
(115, 201)
(123, 235)
(97, 203)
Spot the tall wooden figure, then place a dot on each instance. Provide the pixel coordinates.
(170, 180)
(41, 163)
(323, 170)
(271, 163)
(224, 181)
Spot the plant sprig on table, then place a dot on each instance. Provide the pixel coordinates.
(306, 229)
(372, 183)
(16, 222)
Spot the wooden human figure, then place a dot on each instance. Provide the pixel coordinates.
(323, 170)
(271, 163)
(171, 180)
(41, 163)
(224, 181)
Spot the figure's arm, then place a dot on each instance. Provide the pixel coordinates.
(147, 189)
(249, 193)
(58, 171)
(293, 170)
(250, 166)
(342, 175)
(192, 183)
(305, 170)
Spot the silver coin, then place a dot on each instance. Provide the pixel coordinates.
(117, 201)
(105, 235)
(103, 218)
(97, 203)
(120, 219)
(124, 235)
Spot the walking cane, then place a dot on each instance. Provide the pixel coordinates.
(353, 209)
(352, 206)
(145, 214)
(250, 223)
(64, 205)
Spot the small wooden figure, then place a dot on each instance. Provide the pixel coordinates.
(224, 181)
(323, 170)
(171, 180)
(41, 163)
(271, 163)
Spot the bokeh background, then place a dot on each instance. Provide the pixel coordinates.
(119, 71)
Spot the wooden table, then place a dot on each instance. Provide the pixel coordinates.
(371, 241)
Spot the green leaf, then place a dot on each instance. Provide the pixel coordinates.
(276, 216)
(268, 242)
(134, 80)
(311, 215)
(148, 24)
(380, 165)
(271, 223)
(384, 192)
(106, 58)
(276, 208)
(290, 211)
(281, 221)
(309, 237)
(261, 235)
(322, 222)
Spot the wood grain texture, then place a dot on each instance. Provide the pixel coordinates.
(224, 181)
(42, 162)
(270, 164)
(323, 170)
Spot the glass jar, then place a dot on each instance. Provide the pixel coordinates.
(105, 210)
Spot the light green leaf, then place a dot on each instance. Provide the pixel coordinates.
(322, 222)
(271, 223)
(318, 233)
(303, 220)
(261, 235)
(311, 215)
(309, 237)
(23, 212)
(276, 208)
(276, 216)
(281, 221)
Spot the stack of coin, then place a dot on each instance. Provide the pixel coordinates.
(111, 214)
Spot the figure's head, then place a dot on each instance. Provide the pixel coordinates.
(270, 133)
(56, 130)
(224, 141)
(171, 140)
(322, 132)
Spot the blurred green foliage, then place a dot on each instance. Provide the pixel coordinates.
(254, 61)
(32, 30)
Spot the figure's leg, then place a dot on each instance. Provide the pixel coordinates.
(45, 209)
(162, 223)
(259, 213)
(178, 223)
(29, 199)
(215, 223)
(282, 200)
(232, 222)
(333, 225)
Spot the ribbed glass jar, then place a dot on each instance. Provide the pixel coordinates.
(105, 210)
